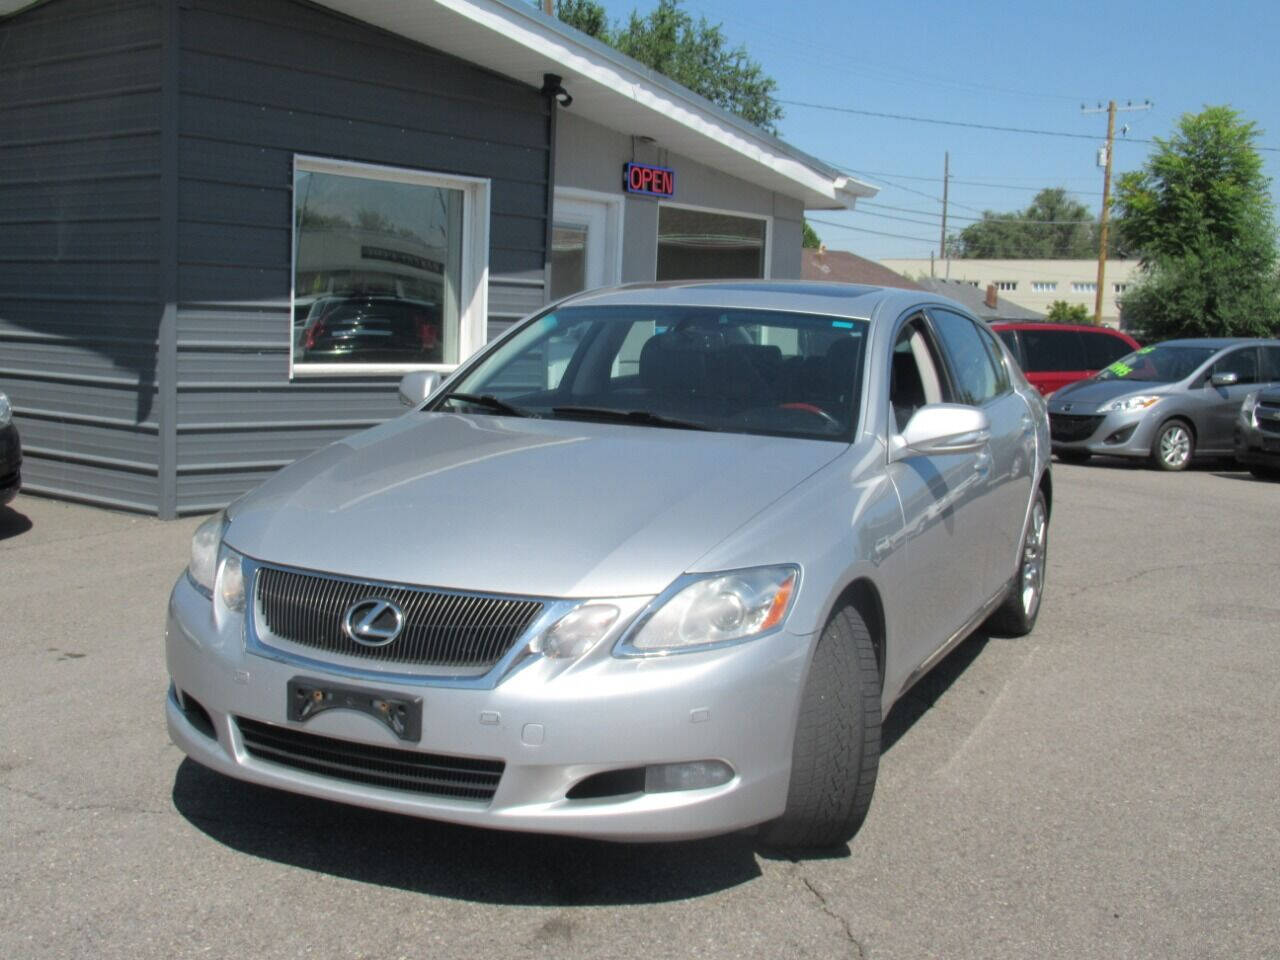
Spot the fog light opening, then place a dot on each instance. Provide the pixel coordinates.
(1122, 435)
(697, 775)
(197, 715)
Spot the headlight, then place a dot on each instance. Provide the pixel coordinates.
(6, 410)
(714, 609)
(230, 580)
(1250, 404)
(577, 631)
(1127, 404)
(205, 542)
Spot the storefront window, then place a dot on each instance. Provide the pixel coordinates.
(379, 269)
(699, 245)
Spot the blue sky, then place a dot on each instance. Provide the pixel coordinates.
(1027, 65)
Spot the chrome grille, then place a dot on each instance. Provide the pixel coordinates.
(441, 629)
(1268, 418)
(1070, 428)
(461, 777)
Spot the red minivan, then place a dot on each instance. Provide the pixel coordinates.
(1055, 354)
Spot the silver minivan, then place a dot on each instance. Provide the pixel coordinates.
(1166, 403)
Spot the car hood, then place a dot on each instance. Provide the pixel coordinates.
(518, 506)
(1083, 395)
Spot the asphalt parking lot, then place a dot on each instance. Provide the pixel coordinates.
(1106, 787)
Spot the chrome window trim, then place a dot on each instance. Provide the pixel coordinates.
(515, 658)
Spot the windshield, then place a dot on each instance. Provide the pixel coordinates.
(1161, 363)
(709, 368)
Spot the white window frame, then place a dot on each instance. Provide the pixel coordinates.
(615, 214)
(768, 230)
(473, 284)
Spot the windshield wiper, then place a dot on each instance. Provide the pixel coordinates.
(640, 417)
(490, 402)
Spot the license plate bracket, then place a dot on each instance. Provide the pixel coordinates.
(399, 714)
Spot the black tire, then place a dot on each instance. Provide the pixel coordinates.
(1173, 446)
(1264, 472)
(837, 745)
(1016, 617)
(1073, 456)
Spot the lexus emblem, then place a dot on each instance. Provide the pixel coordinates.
(1066, 408)
(374, 622)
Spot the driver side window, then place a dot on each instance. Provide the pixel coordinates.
(913, 378)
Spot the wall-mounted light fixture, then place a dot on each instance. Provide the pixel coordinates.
(551, 87)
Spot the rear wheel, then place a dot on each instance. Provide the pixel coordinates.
(837, 745)
(1172, 447)
(1016, 617)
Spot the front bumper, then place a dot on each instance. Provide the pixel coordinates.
(10, 463)
(1256, 447)
(1117, 434)
(552, 727)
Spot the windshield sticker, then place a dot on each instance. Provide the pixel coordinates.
(1120, 369)
(1146, 349)
(841, 325)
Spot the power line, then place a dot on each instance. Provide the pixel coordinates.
(925, 213)
(878, 233)
(971, 126)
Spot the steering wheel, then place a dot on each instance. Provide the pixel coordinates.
(813, 409)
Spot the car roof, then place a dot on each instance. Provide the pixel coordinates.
(1217, 343)
(1046, 325)
(853, 300)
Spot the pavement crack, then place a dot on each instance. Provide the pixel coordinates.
(76, 807)
(1142, 574)
(858, 951)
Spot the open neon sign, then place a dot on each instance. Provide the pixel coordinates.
(649, 180)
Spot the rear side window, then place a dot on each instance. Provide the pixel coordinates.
(1270, 363)
(1010, 338)
(1102, 349)
(976, 376)
(1051, 351)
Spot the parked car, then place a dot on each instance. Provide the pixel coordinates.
(10, 453)
(660, 585)
(1166, 403)
(1053, 355)
(1257, 434)
(371, 329)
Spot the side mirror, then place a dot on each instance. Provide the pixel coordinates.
(417, 386)
(1225, 379)
(940, 428)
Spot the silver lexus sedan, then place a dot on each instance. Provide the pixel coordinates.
(652, 565)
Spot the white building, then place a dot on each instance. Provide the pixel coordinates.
(1034, 284)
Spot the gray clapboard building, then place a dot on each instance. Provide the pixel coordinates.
(227, 227)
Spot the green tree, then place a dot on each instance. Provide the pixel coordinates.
(1062, 312)
(1198, 214)
(694, 53)
(1053, 227)
(811, 239)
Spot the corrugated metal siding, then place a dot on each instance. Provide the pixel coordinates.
(259, 82)
(80, 125)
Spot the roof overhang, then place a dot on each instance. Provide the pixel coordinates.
(515, 39)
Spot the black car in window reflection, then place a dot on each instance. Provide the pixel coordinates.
(372, 329)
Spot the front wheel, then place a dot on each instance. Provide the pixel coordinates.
(1016, 617)
(1172, 447)
(837, 745)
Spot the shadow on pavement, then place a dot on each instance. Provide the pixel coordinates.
(491, 866)
(443, 860)
(13, 523)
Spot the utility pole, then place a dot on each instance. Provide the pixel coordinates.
(1106, 196)
(946, 180)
